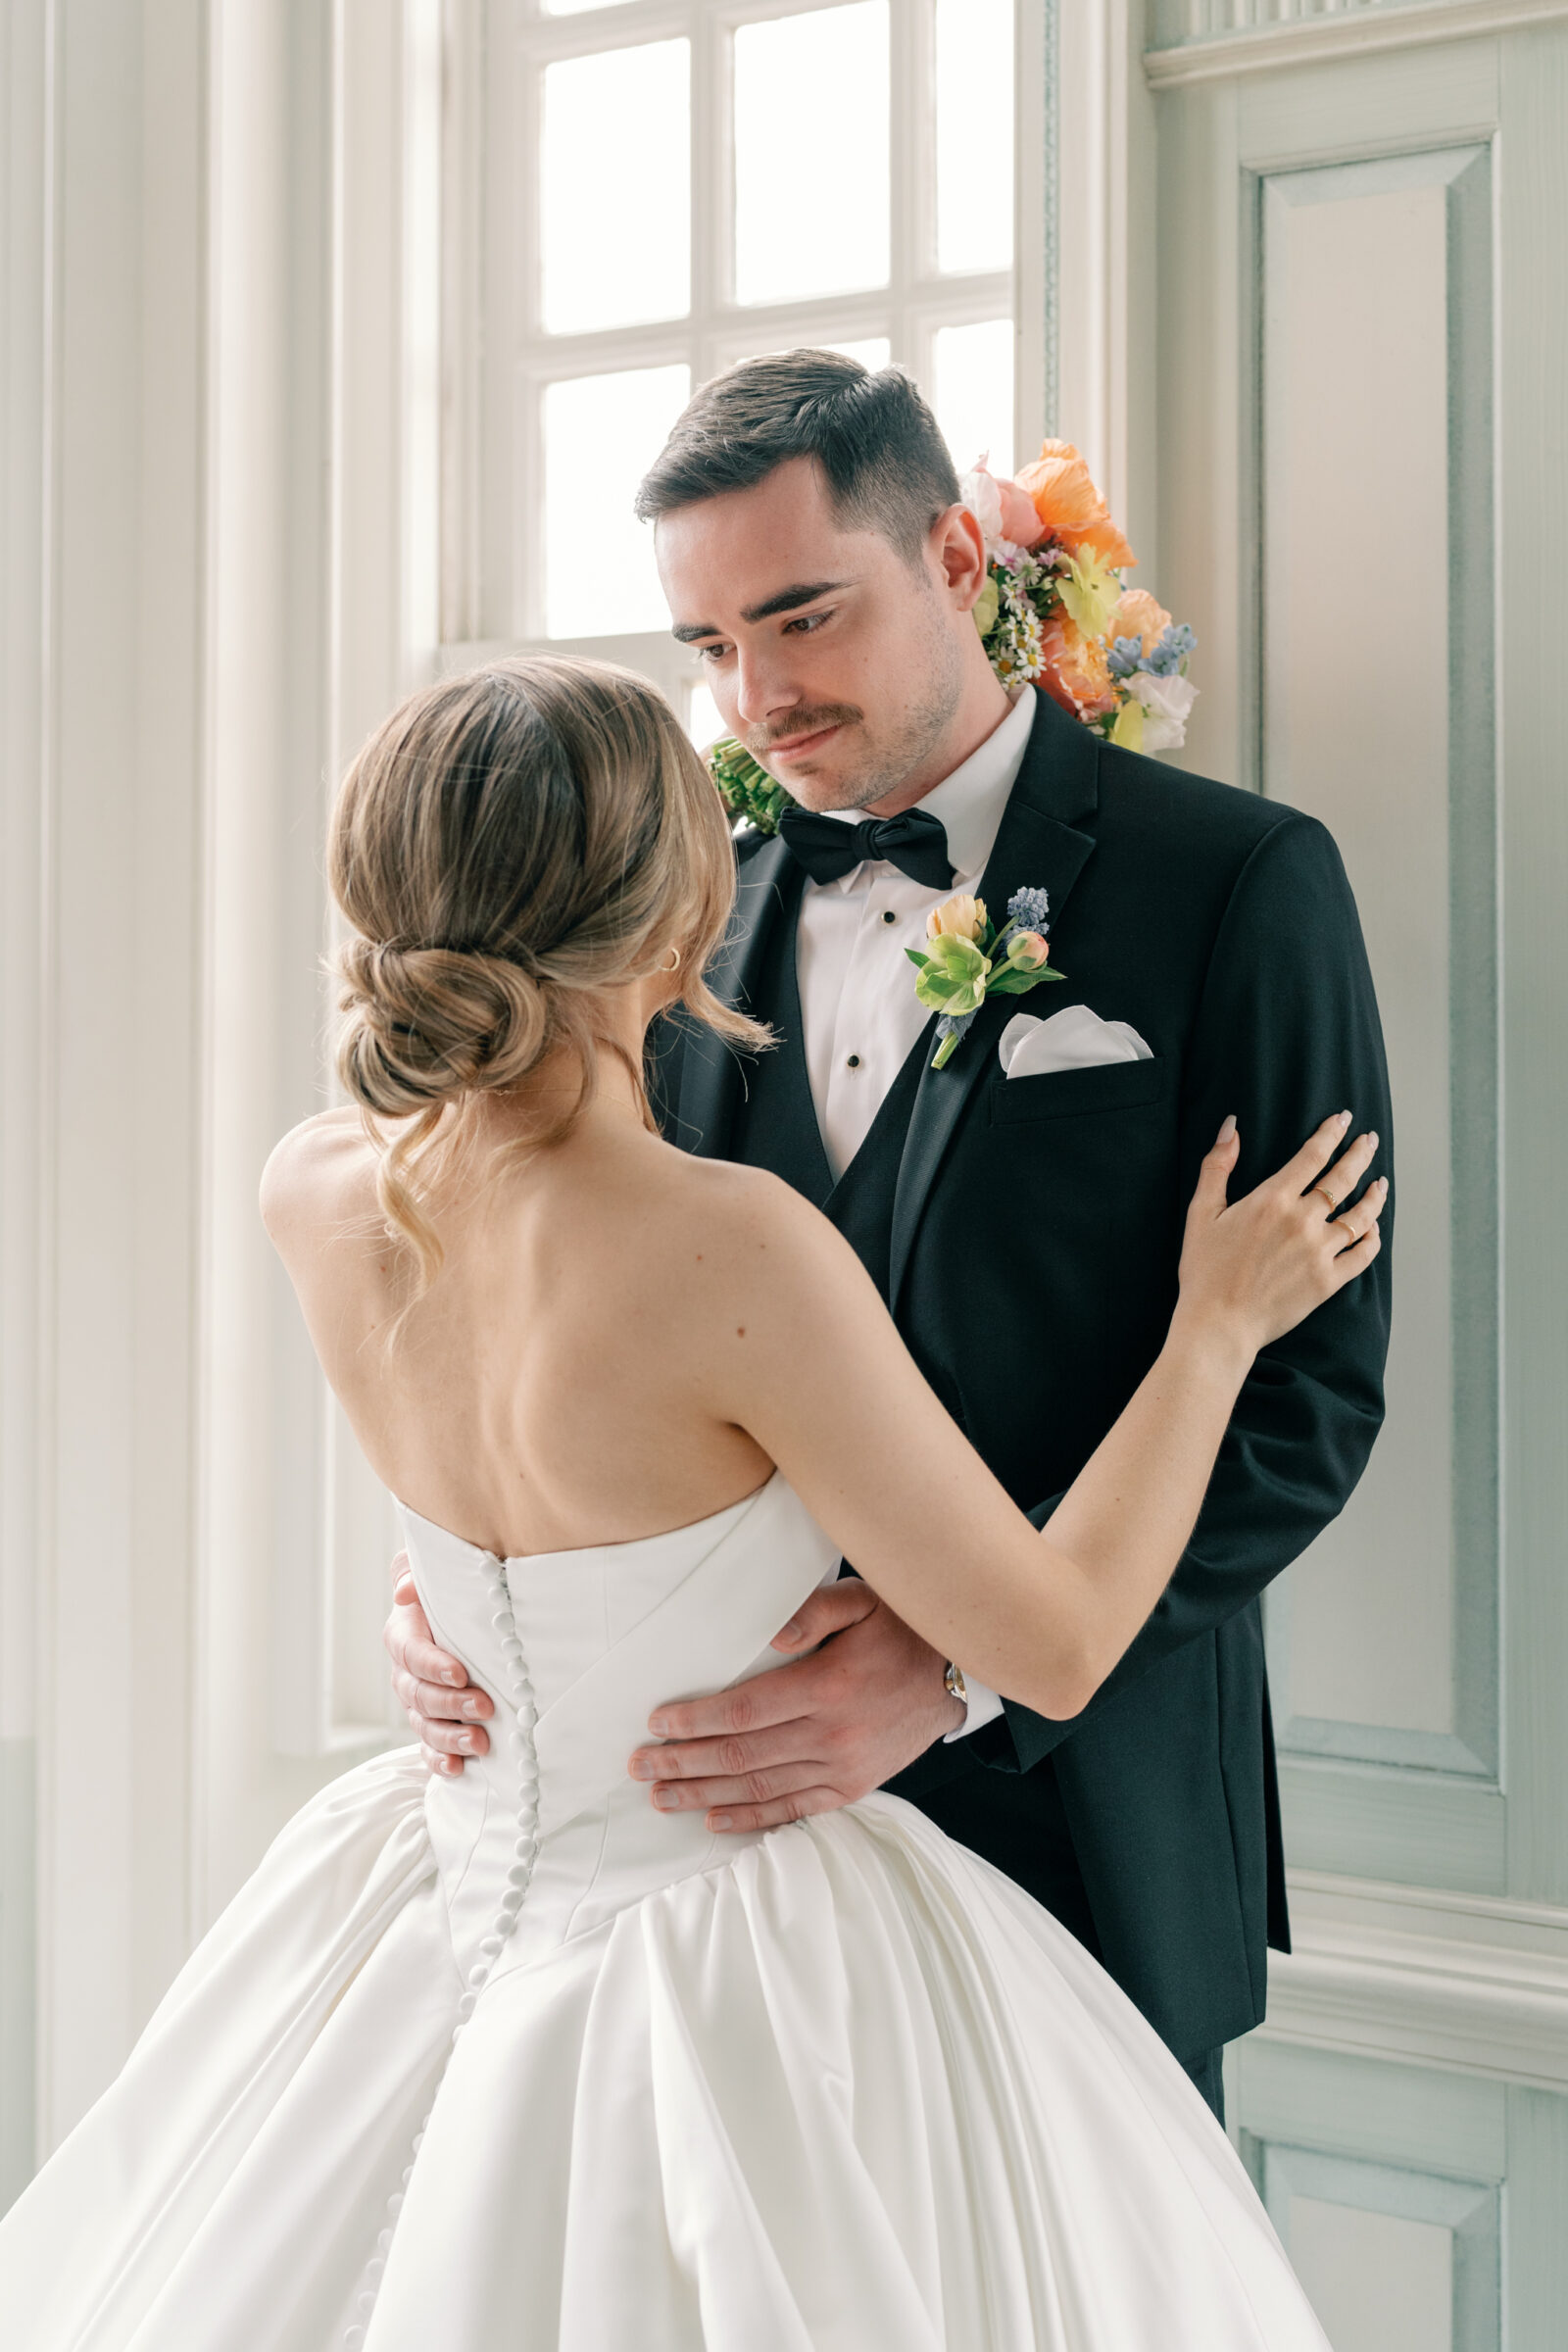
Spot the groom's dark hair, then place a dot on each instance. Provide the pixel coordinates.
(878, 444)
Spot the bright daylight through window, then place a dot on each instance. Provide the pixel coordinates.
(728, 178)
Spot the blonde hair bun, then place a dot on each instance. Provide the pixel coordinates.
(428, 1024)
(508, 849)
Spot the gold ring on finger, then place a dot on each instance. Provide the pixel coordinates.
(1328, 1196)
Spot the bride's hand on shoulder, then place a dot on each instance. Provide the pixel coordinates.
(1254, 1268)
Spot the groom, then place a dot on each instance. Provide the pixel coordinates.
(1024, 1230)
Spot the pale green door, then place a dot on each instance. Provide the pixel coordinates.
(1362, 424)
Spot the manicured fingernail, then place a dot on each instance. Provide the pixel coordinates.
(666, 1798)
(1228, 1130)
(790, 1632)
(452, 1674)
(465, 1741)
(1343, 1118)
(659, 1725)
(720, 1820)
(641, 1768)
(473, 1708)
(1372, 1139)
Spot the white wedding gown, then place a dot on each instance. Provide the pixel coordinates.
(514, 2062)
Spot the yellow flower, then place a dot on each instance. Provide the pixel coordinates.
(1128, 730)
(1091, 592)
(960, 918)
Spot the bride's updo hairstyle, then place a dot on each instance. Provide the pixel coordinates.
(508, 849)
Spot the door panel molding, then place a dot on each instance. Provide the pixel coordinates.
(1183, 49)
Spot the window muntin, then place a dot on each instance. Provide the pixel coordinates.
(705, 180)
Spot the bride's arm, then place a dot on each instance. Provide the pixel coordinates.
(811, 1366)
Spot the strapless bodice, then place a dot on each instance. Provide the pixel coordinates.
(548, 1835)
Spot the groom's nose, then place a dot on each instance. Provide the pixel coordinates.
(766, 687)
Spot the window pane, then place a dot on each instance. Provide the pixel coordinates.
(811, 153)
(875, 352)
(974, 135)
(614, 188)
(602, 433)
(974, 397)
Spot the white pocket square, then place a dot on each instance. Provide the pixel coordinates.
(1074, 1040)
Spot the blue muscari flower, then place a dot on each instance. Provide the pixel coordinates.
(1170, 651)
(1028, 908)
(1125, 657)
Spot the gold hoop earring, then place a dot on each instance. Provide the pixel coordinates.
(673, 968)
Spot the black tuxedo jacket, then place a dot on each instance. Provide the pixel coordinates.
(1026, 1233)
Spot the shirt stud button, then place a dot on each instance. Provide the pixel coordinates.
(888, 915)
(854, 1062)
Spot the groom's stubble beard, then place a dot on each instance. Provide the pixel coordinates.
(886, 756)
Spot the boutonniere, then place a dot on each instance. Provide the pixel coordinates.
(966, 960)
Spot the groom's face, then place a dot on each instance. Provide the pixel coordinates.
(835, 657)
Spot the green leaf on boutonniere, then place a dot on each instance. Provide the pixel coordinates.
(915, 956)
(1012, 982)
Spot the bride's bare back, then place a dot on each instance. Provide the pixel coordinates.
(548, 1390)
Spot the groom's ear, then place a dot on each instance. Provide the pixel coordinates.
(956, 547)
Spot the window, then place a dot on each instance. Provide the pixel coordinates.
(669, 187)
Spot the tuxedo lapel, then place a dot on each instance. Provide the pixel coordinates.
(1040, 844)
(767, 892)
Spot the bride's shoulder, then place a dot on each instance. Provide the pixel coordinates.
(740, 1220)
(312, 1167)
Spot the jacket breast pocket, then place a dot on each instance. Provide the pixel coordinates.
(1076, 1094)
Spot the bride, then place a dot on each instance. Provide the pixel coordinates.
(517, 2059)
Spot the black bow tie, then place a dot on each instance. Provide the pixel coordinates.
(828, 847)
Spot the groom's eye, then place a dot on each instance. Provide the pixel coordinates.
(711, 653)
(804, 622)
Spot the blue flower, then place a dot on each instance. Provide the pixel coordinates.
(1028, 908)
(1125, 655)
(1172, 649)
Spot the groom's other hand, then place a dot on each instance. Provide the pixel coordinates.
(447, 1716)
(812, 1736)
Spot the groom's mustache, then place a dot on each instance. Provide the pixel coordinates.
(760, 740)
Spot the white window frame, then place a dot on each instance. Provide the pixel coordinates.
(500, 359)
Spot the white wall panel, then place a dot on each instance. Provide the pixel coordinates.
(1374, 513)
(1377, 2281)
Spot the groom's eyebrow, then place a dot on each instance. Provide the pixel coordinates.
(788, 600)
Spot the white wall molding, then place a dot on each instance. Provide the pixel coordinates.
(326, 386)
(105, 116)
(1470, 1983)
(25, 1175)
(1106, 312)
(1358, 32)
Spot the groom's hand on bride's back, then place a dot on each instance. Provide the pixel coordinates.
(447, 1716)
(812, 1736)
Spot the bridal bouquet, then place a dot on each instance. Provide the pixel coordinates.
(1053, 614)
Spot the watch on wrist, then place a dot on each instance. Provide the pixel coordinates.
(957, 1687)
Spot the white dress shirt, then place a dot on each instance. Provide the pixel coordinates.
(859, 1014)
